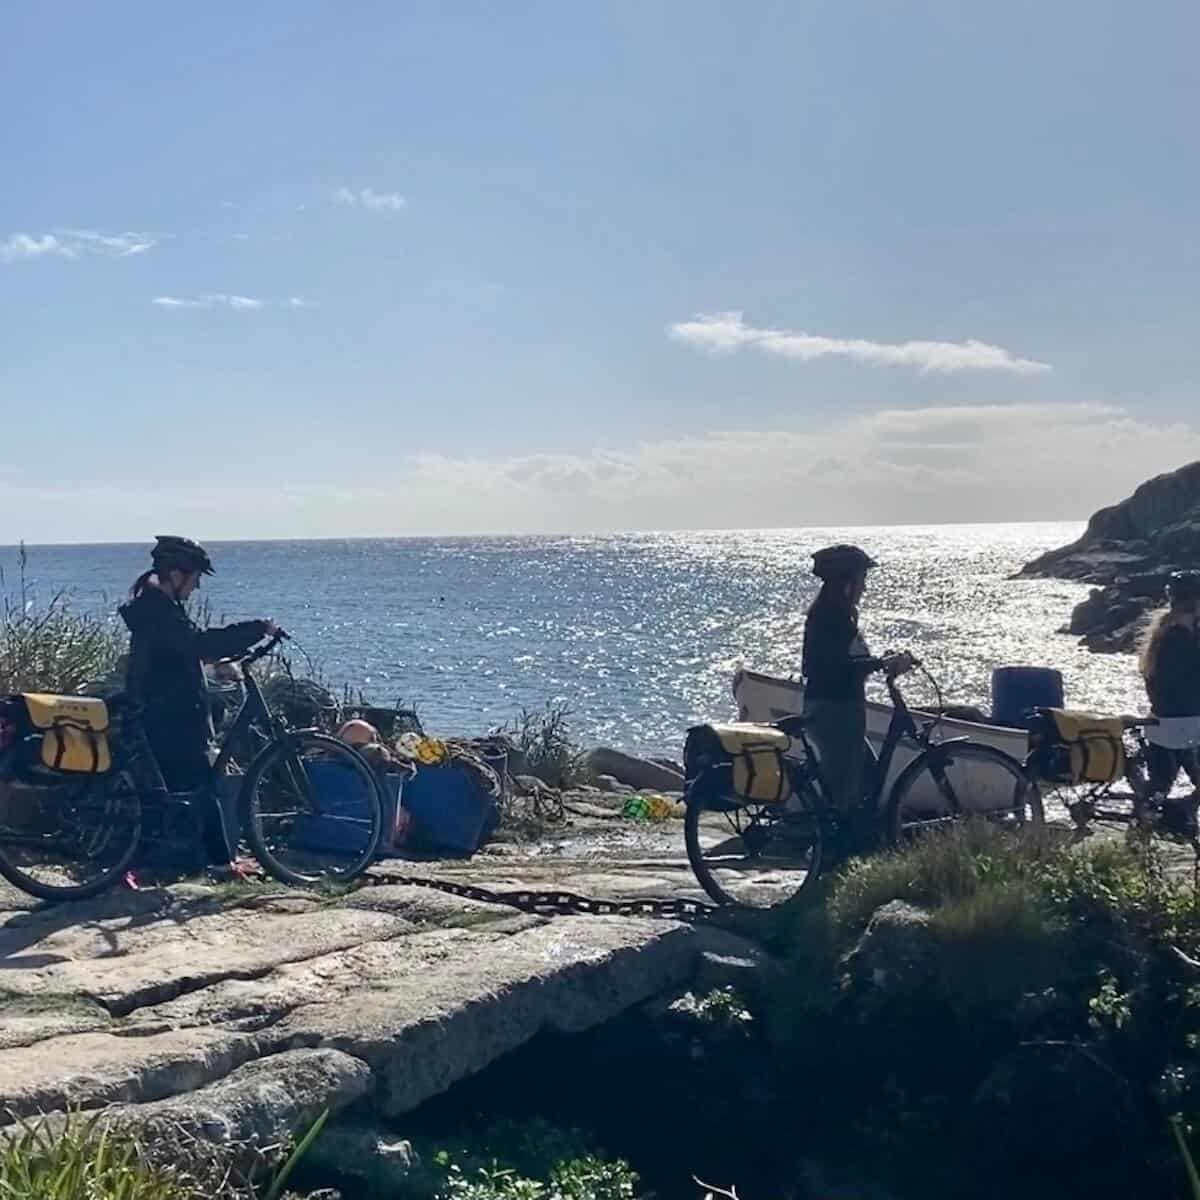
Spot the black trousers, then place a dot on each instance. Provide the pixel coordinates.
(1165, 765)
(838, 733)
(181, 750)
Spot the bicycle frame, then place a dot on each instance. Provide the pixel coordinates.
(901, 728)
(254, 710)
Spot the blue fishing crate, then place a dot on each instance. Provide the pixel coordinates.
(449, 810)
(343, 824)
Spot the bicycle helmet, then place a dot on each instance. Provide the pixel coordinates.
(1183, 585)
(841, 562)
(172, 553)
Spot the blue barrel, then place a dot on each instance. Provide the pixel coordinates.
(1016, 691)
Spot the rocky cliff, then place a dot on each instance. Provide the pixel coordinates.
(1128, 550)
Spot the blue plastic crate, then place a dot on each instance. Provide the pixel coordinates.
(343, 824)
(449, 810)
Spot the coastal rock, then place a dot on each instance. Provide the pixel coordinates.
(258, 1105)
(374, 1158)
(636, 772)
(1092, 1111)
(895, 954)
(1128, 550)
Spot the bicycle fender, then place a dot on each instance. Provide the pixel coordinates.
(939, 752)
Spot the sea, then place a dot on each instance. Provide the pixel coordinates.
(637, 634)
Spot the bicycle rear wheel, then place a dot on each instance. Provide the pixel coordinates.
(758, 856)
(72, 840)
(950, 782)
(313, 810)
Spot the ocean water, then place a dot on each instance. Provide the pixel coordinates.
(639, 633)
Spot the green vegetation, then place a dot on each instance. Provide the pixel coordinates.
(542, 739)
(82, 1159)
(1024, 1020)
(531, 1160)
(50, 646)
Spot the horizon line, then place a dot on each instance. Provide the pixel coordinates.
(610, 533)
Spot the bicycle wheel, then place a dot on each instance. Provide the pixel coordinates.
(956, 780)
(313, 810)
(758, 856)
(72, 840)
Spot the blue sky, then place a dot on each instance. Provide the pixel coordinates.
(309, 269)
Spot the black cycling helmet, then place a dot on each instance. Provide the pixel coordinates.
(172, 553)
(841, 562)
(1183, 585)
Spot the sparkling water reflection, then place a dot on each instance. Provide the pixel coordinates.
(638, 633)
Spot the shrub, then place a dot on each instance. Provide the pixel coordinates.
(84, 1159)
(542, 739)
(51, 647)
(532, 1160)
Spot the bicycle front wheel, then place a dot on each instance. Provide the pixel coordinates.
(956, 780)
(69, 841)
(313, 810)
(758, 856)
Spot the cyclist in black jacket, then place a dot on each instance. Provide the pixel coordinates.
(1170, 665)
(165, 674)
(835, 667)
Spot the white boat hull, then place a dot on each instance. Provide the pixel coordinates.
(765, 698)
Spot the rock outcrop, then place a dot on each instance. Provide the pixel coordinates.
(1128, 550)
(237, 1018)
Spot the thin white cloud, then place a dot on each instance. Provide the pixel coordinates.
(115, 245)
(23, 245)
(727, 332)
(212, 300)
(370, 199)
(297, 302)
(75, 243)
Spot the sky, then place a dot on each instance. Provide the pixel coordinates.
(309, 269)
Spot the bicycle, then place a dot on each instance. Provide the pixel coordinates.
(308, 804)
(769, 854)
(1127, 799)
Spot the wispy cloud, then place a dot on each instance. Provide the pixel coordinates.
(212, 300)
(727, 332)
(24, 245)
(370, 199)
(75, 243)
(297, 302)
(115, 245)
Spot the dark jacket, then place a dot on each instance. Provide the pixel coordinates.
(836, 659)
(165, 674)
(1174, 684)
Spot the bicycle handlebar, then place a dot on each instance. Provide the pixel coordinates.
(261, 652)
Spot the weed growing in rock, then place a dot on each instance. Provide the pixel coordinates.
(532, 1160)
(87, 1159)
(542, 739)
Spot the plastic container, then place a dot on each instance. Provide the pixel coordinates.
(449, 810)
(343, 824)
(1016, 691)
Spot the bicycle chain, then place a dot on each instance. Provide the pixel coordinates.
(550, 901)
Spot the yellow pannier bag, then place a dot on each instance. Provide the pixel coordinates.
(74, 732)
(1078, 747)
(756, 755)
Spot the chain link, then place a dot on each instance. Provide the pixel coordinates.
(551, 900)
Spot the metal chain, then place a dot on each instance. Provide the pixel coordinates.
(551, 900)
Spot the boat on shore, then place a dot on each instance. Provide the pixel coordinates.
(765, 698)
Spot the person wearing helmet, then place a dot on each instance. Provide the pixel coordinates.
(165, 673)
(836, 663)
(1170, 666)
